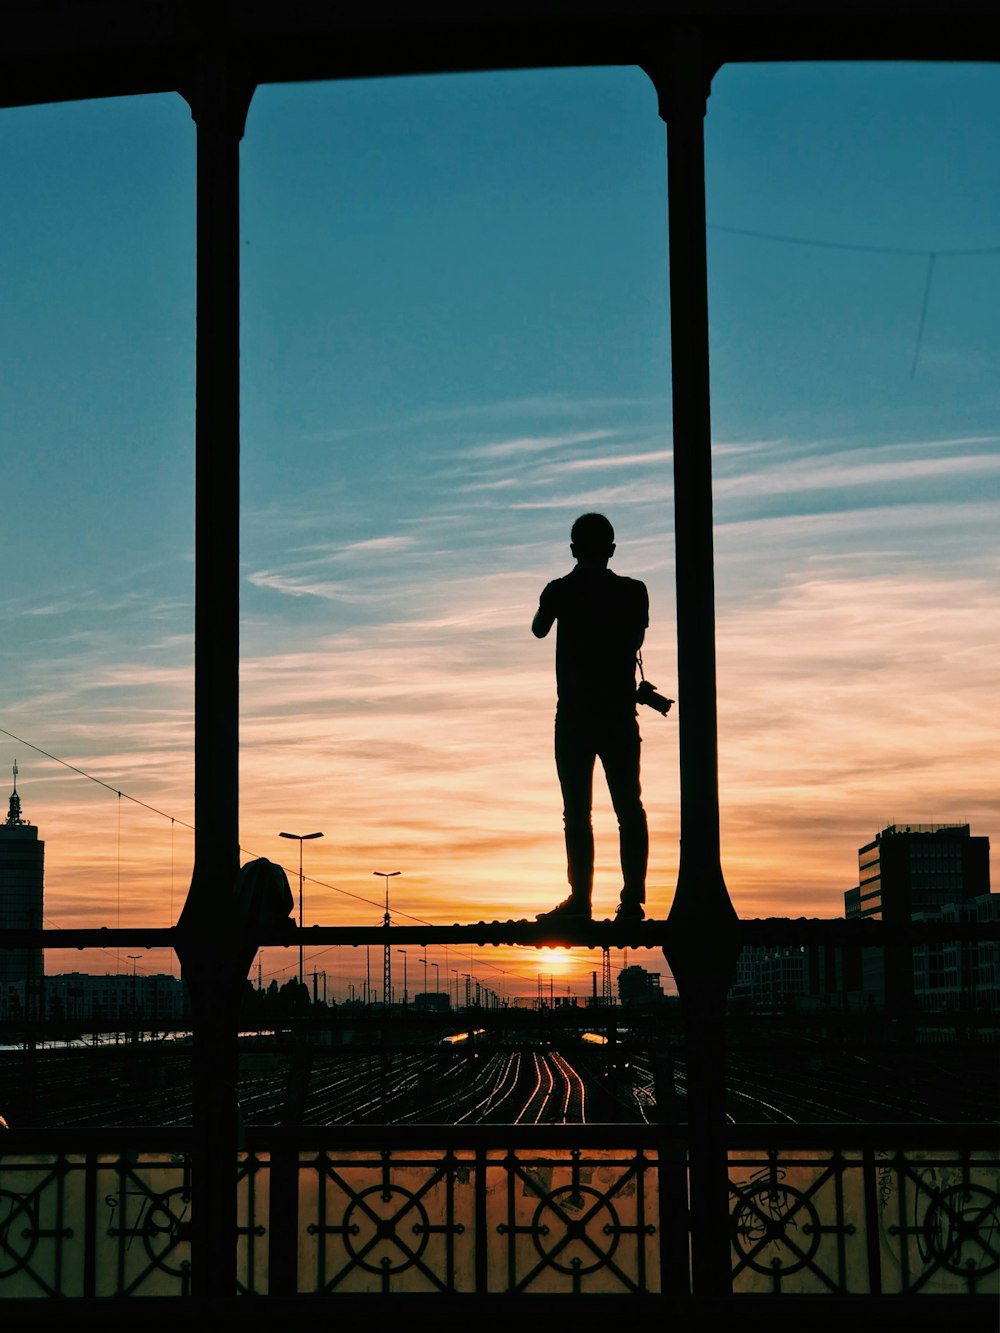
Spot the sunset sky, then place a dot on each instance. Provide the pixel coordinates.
(455, 339)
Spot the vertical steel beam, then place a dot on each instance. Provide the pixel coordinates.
(219, 97)
(687, 88)
(704, 940)
(219, 111)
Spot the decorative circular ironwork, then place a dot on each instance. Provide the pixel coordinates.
(18, 1232)
(563, 1241)
(962, 1230)
(775, 1228)
(370, 1234)
(161, 1228)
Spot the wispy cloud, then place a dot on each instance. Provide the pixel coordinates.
(326, 590)
(844, 473)
(845, 699)
(651, 458)
(535, 444)
(374, 545)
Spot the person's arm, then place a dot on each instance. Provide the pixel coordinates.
(542, 623)
(642, 615)
(545, 616)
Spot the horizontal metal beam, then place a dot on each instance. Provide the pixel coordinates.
(108, 48)
(771, 932)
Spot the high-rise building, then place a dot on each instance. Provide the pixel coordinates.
(918, 868)
(910, 870)
(22, 873)
(637, 986)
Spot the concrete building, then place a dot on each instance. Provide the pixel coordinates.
(637, 986)
(907, 872)
(959, 975)
(913, 868)
(83, 997)
(770, 980)
(22, 873)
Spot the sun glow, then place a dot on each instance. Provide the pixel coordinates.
(560, 961)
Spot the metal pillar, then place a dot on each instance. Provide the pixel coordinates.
(212, 958)
(705, 931)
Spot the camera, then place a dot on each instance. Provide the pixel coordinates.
(646, 693)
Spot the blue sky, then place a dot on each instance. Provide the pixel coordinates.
(455, 338)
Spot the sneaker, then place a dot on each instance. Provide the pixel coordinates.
(573, 909)
(629, 914)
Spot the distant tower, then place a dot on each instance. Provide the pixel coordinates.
(22, 872)
(387, 956)
(606, 994)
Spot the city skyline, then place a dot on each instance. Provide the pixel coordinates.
(338, 973)
(455, 339)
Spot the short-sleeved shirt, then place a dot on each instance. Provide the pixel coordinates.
(601, 618)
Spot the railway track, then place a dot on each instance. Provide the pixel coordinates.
(491, 1085)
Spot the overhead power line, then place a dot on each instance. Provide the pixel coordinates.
(931, 257)
(100, 781)
(848, 245)
(123, 795)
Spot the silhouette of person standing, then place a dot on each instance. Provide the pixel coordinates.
(602, 620)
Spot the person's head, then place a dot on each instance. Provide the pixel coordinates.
(592, 538)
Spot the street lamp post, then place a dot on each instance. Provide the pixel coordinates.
(405, 997)
(300, 838)
(437, 979)
(386, 875)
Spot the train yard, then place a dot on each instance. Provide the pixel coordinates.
(500, 1075)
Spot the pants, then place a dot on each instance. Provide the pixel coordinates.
(579, 741)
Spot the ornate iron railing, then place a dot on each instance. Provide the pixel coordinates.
(819, 1210)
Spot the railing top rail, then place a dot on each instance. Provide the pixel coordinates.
(761, 932)
(953, 1136)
